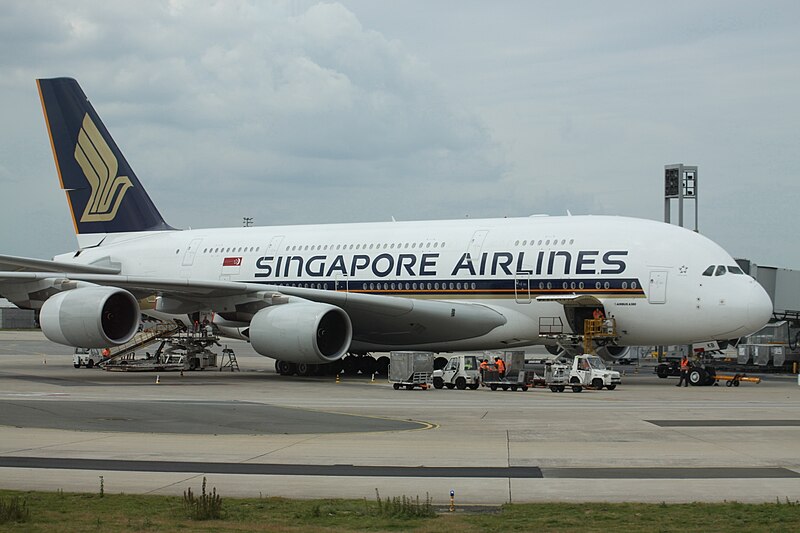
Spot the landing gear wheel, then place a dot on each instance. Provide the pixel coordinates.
(382, 366)
(367, 365)
(304, 369)
(285, 368)
(438, 383)
(461, 383)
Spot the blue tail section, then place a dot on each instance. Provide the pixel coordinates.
(104, 194)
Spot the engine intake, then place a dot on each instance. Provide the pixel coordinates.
(304, 332)
(90, 317)
(612, 352)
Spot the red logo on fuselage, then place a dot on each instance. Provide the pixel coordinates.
(232, 261)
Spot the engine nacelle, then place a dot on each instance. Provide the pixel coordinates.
(612, 352)
(304, 332)
(90, 317)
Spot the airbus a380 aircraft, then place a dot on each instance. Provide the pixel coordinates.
(313, 293)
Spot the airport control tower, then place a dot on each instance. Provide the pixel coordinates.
(680, 183)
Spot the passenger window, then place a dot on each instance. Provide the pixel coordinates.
(709, 271)
(720, 270)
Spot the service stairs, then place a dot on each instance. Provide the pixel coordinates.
(229, 360)
(145, 337)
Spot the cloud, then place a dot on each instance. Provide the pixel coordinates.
(265, 103)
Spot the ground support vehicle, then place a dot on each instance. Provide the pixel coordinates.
(556, 377)
(87, 357)
(411, 369)
(515, 378)
(671, 368)
(591, 371)
(460, 372)
(734, 380)
(180, 351)
(702, 375)
(699, 372)
(518, 380)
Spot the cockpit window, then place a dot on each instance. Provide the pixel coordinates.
(735, 270)
(709, 271)
(720, 271)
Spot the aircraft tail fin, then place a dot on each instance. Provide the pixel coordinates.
(103, 193)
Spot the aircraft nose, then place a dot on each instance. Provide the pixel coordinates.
(759, 308)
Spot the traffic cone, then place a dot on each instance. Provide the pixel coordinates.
(158, 379)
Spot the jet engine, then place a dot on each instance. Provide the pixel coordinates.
(305, 332)
(611, 352)
(90, 317)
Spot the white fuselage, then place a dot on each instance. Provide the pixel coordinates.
(648, 275)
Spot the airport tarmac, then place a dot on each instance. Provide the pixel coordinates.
(254, 433)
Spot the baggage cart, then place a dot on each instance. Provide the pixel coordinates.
(411, 369)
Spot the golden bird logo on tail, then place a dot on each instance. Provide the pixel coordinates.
(100, 168)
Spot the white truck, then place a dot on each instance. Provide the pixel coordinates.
(87, 357)
(460, 372)
(585, 371)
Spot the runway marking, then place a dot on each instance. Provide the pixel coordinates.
(671, 473)
(724, 423)
(348, 470)
(274, 469)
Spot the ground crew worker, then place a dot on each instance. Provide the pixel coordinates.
(484, 365)
(501, 366)
(106, 353)
(684, 372)
(598, 314)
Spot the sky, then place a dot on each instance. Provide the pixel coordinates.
(301, 111)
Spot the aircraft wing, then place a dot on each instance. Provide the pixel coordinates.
(375, 318)
(27, 264)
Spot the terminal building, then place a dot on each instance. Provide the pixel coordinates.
(12, 317)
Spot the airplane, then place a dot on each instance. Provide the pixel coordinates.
(312, 293)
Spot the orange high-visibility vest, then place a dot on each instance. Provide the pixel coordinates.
(684, 364)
